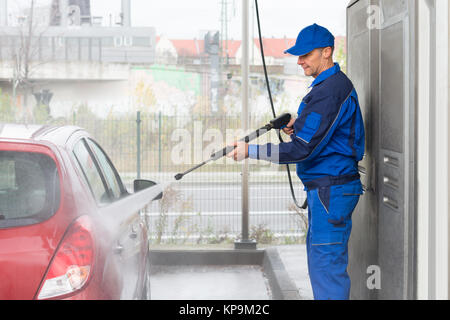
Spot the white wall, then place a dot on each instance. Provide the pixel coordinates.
(102, 97)
(165, 51)
(74, 70)
(254, 55)
(448, 92)
(433, 147)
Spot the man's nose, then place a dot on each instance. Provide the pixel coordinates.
(300, 61)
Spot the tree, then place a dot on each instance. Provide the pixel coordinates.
(24, 53)
(6, 108)
(340, 54)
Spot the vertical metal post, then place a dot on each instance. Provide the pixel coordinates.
(3, 13)
(126, 13)
(159, 140)
(440, 158)
(245, 242)
(245, 72)
(64, 11)
(138, 144)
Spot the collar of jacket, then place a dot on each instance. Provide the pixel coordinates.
(326, 74)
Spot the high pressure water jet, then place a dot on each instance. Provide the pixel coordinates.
(276, 123)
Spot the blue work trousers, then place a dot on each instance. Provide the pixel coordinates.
(330, 211)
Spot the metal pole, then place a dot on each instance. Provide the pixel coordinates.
(3, 13)
(159, 141)
(64, 11)
(245, 242)
(126, 13)
(138, 143)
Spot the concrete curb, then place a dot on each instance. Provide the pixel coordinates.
(281, 285)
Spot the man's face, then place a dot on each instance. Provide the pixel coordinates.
(313, 63)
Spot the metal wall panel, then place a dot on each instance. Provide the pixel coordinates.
(381, 65)
(396, 238)
(392, 87)
(392, 171)
(394, 8)
(363, 245)
(391, 241)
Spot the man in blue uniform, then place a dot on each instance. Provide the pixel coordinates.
(327, 141)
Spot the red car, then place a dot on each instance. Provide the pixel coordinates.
(68, 227)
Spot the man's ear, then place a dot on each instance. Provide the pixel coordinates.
(327, 52)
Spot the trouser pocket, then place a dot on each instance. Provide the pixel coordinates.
(323, 193)
(331, 212)
(339, 201)
(322, 230)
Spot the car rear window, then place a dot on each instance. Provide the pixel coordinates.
(29, 188)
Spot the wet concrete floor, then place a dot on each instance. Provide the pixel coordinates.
(199, 282)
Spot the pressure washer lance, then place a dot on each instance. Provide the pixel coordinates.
(276, 123)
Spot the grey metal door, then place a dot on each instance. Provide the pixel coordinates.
(381, 65)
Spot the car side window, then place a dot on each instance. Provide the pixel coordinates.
(108, 170)
(91, 172)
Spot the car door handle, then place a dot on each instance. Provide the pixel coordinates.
(118, 249)
(133, 234)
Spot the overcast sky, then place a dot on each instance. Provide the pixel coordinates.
(188, 18)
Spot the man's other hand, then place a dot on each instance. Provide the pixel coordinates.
(289, 129)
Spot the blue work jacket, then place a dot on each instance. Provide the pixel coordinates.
(328, 138)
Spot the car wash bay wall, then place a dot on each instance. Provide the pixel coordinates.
(381, 60)
(398, 59)
(432, 149)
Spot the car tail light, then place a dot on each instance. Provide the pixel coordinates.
(72, 263)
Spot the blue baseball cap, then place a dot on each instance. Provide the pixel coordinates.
(310, 38)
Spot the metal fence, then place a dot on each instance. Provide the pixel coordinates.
(205, 206)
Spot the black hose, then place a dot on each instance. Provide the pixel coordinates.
(271, 104)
